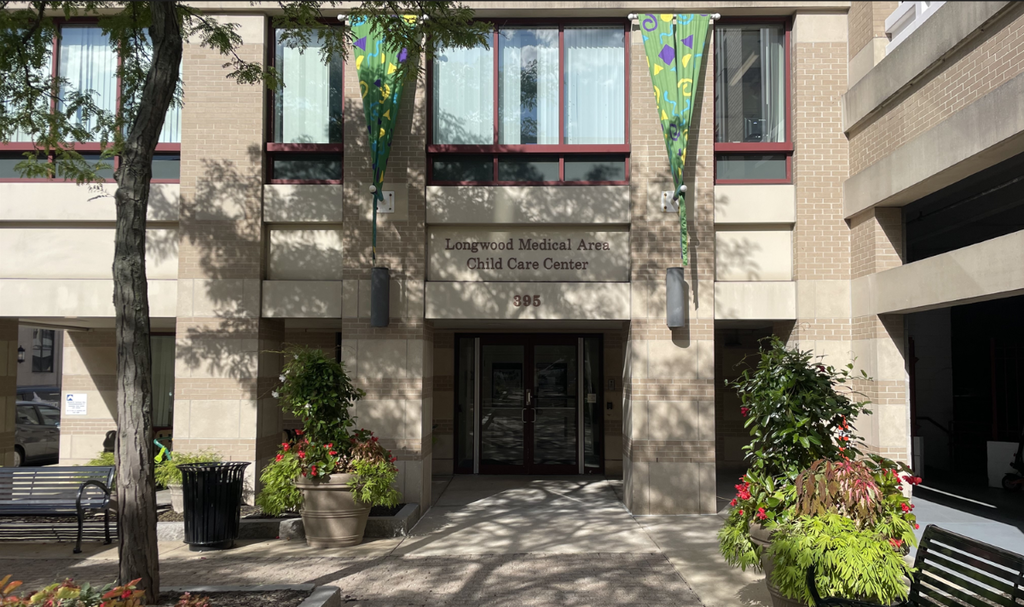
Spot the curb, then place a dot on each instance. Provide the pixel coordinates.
(398, 525)
(320, 596)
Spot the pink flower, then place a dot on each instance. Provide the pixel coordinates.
(761, 514)
(279, 457)
(733, 502)
(332, 452)
(744, 411)
(302, 454)
(285, 446)
(298, 433)
(314, 470)
(905, 507)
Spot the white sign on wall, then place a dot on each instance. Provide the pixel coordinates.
(526, 254)
(76, 404)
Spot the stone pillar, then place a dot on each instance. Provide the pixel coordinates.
(392, 364)
(8, 387)
(90, 368)
(866, 28)
(879, 340)
(668, 442)
(223, 371)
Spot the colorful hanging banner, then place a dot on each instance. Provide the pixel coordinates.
(381, 89)
(675, 52)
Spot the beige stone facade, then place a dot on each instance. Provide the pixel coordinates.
(240, 266)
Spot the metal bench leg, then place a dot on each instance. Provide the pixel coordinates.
(81, 521)
(106, 523)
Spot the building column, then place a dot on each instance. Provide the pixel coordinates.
(879, 339)
(393, 364)
(224, 365)
(89, 369)
(8, 387)
(668, 436)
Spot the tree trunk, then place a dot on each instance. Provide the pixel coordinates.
(136, 490)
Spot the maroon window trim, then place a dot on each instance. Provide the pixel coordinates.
(562, 150)
(283, 150)
(785, 147)
(88, 147)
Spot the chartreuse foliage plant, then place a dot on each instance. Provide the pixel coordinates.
(797, 411)
(167, 472)
(317, 390)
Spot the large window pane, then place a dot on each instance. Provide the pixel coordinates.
(464, 96)
(595, 168)
(307, 167)
(528, 86)
(42, 350)
(595, 77)
(528, 168)
(88, 64)
(463, 168)
(750, 83)
(308, 109)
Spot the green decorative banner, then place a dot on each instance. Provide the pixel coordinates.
(381, 89)
(675, 53)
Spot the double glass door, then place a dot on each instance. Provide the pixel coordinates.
(534, 404)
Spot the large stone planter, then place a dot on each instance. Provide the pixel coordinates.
(331, 516)
(177, 498)
(761, 538)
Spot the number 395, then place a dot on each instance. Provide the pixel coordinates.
(525, 300)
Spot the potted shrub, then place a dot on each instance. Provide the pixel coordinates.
(853, 525)
(798, 411)
(168, 475)
(330, 474)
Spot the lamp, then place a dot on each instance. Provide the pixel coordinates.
(21, 354)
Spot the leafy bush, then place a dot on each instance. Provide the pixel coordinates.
(318, 392)
(797, 411)
(103, 459)
(167, 472)
(187, 600)
(69, 594)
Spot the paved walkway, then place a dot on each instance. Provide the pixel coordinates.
(487, 541)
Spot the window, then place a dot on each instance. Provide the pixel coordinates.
(27, 416)
(49, 415)
(42, 351)
(306, 121)
(546, 104)
(85, 59)
(752, 142)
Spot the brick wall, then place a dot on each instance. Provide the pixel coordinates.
(867, 21)
(985, 63)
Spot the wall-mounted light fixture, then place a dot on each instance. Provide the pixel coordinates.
(21, 354)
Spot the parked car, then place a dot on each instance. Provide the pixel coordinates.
(36, 434)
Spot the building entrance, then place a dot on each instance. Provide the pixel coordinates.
(529, 404)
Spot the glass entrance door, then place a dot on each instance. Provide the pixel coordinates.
(529, 405)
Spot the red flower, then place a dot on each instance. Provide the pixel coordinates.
(394, 458)
(373, 438)
(913, 480)
(303, 473)
(905, 507)
(916, 526)
(279, 457)
(332, 452)
(733, 502)
(298, 433)
(314, 470)
(285, 446)
(126, 594)
(895, 542)
(741, 513)
(761, 514)
(302, 454)
(744, 411)
(329, 445)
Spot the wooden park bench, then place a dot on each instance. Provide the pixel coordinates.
(57, 491)
(955, 570)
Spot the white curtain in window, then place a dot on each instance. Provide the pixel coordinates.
(89, 64)
(528, 57)
(594, 86)
(464, 96)
(773, 84)
(171, 133)
(303, 108)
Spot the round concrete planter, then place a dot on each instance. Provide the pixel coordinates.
(761, 538)
(330, 514)
(177, 498)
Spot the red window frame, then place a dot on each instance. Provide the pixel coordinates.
(755, 148)
(561, 150)
(86, 148)
(280, 150)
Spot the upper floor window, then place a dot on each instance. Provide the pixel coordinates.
(307, 118)
(546, 104)
(752, 142)
(42, 350)
(86, 63)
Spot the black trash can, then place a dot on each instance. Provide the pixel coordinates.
(212, 495)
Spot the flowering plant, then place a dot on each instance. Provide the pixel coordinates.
(318, 392)
(70, 594)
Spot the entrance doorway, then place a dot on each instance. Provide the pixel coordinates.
(528, 404)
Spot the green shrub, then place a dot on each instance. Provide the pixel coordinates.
(167, 472)
(103, 459)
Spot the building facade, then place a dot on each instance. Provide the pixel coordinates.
(852, 194)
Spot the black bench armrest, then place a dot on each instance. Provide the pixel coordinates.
(835, 601)
(81, 491)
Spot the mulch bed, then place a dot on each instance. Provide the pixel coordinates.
(278, 598)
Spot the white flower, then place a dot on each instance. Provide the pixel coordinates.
(280, 378)
(296, 357)
(275, 394)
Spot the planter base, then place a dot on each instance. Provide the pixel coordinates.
(331, 516)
